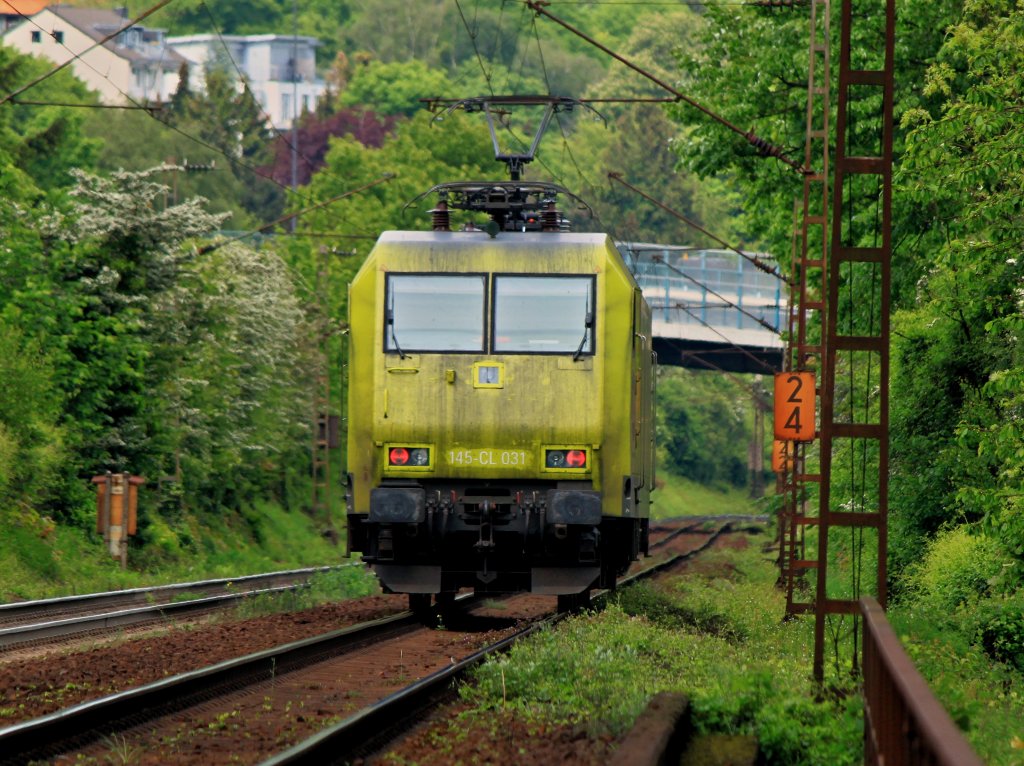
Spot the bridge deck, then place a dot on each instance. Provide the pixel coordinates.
(711, 308)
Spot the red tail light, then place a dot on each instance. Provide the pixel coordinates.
(398, 456)
(561, 458)
(576, 458)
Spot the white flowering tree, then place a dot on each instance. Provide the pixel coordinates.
(183, 361)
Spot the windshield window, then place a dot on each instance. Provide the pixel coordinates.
(544, 314)
(434, 313)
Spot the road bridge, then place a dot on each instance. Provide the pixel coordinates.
(711, 308)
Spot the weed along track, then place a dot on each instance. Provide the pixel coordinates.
(248, 709)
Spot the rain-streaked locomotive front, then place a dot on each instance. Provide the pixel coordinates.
(500, 412)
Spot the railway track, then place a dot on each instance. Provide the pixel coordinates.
(267, 701)
(36, 621)
(373, 727)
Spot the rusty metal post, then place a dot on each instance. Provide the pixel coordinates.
(811, 267)
(106, 485)
(860, 259)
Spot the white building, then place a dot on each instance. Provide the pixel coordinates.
(280, 69)
(136, 65)
(13, 12)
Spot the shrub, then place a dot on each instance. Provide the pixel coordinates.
(700, 615)
(957, 567)
(999, 628)
(798, 731)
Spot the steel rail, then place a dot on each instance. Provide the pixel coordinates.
(82, 724)
(37, 631)
(379, 723)
(144, 593)
(25, 621)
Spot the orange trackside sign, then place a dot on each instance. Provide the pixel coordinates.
(782, 456)
(794, 406)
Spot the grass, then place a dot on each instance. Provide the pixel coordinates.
(51, 561)
(716, 637)
(984, 698)
(677, 496)
(324, 588)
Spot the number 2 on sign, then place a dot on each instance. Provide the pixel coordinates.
(794, 406)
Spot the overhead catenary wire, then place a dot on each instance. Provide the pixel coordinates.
(547, 83)
(70, 105)
(134, 104)
(472, 39)
(285, 218)
(763, 147)
(753, 259)
(75, 57)
(245, 85)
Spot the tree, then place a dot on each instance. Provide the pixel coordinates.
(43, 142)
(314, 134)
(225, 120)
(703, 427)
(962, 174)
(191, 168)
(393, 88)
(229, 368)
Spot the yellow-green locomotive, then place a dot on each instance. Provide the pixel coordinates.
(500, 432)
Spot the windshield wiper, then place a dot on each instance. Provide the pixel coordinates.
(394, 339)
(588, 323)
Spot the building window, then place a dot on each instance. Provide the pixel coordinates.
(286, 106)
(59, 37)
(37, 37)
(305, 103)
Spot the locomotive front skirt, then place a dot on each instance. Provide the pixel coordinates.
(500, 412)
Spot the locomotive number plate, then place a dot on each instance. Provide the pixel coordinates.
(486, 458)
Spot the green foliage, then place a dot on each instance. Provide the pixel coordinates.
(998, 626)
(606, 683)
(141, 142)
(31, 448)
(43, 142)
(960, 174)
(227, 119)
(957, 569)
(700, 615)
(393, 88)
(324, 588)
(600, 670)
(984, 698)
(45, 560)
(798, 730)
(677, 496)
(703, 427)
(32, 550)
(229, 369)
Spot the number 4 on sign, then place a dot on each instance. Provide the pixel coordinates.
(782, 456)
(794, 406)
